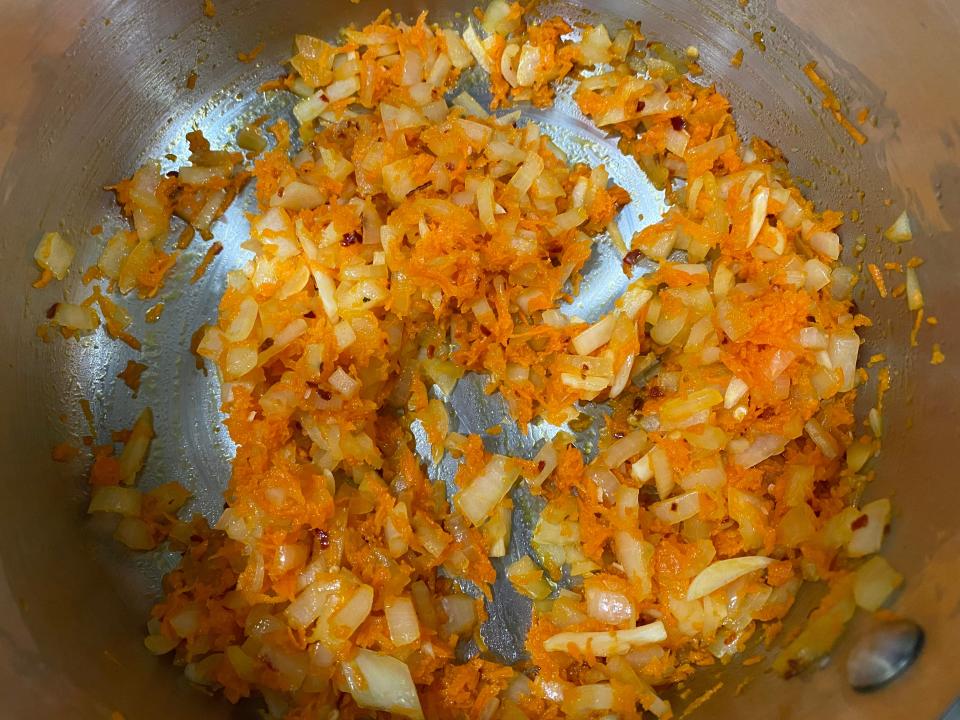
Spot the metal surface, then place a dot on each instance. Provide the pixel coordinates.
(883, 653)
(91, 88)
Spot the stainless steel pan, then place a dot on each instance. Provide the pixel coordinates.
(90, 88)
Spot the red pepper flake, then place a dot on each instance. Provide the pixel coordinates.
(632, 258)
(351, 238)
(860, 522)
(323, 537)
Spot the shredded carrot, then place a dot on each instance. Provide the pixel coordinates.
(215, 249)
(877, 279)
(915, 332)
(250, 56)
(45, 277)
(937, 356)
(131, 375)
(831, 103)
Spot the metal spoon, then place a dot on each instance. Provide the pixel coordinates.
(883, 653)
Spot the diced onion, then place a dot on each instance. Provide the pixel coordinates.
(76, 317)
(868, 528)
(343, 383)
(595, 336)
(381, 682)
(401, 621)
(900, 231)
(759, 449)
(914, 294)
(55, 254)
(607, 644)
(826, 243)
(116, 499)
(724, 572)
(875, 582)
(608, 606)
(461, 614)
(135, 534)
(478, 499)
(677, 509)
(625, 448)
(134, 452)
(547, 455)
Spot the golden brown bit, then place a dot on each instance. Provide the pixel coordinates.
(895, 266)
(154, 313)
(898, 291)
(247, 57)
(194, 344)
(494, 430)
(88, 415)
(938, 356)
(932, 320)
(915, 262)
(855, 215)
(96, 230)
(753, 660)
(737, 59)
(918, 320)
(877, 279)
(863, 115)
(874, 359)
(209, 9)
(64, 452)
(191, 80)
(186, 237)
(214, 250)
(132, 374)
(758, 41)
(831, 103)
(90, 274)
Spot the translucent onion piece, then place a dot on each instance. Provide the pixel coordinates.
(724, 572)
(607, 644)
